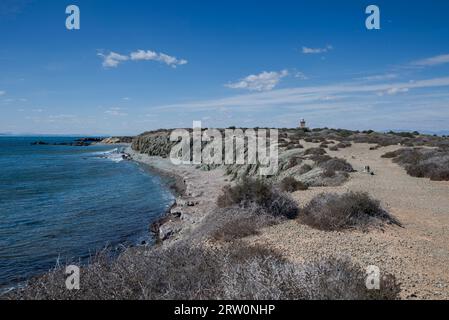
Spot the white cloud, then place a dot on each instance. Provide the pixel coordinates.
(115, 112)
(143, 55)
(149, 55)
(433, 61)
(307, 50)
(379, 77)
(112, 60)
(264, 81)
(394, 90)
(301, 75)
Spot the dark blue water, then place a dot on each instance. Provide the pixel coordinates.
(66, 203)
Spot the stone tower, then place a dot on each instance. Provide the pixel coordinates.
(302, 124)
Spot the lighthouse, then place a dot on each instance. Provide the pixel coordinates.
(302, 124)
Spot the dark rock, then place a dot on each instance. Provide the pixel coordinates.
(40, 143)
(89, 140)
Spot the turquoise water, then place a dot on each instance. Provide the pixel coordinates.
(65, 203)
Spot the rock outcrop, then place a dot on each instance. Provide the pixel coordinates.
(154, 143)
(117, 140)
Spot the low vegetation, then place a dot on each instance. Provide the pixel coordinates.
(344, 144)
(290, 184)
(246, 208)
(250, 192)
(423, 163)
(353, 210)
(183, 271)
(315, 151)
(337, 164)
(230, 224)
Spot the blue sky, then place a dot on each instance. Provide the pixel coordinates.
(141, 65)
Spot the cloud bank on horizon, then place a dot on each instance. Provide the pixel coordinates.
(255, 72)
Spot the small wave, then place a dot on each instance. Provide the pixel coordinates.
(103, 153)
(116, 155)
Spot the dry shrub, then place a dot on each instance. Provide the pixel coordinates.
(350, 210)
(185, 271)
(176, 272)
(328, 173)
(333, 148)
(409, 156)
(429, 170)
(304, 169)
(292, 162)
(423, 163)
(343, 145)
(315, 151)
(294, 146)
(290, 184)
(249, 192)
(237, 228)
(271, 278)
(337, 164)
(236, 223)
(320, 158)
(392, 154)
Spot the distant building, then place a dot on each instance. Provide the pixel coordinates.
(302, 124)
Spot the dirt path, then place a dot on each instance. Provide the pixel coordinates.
(418, 253)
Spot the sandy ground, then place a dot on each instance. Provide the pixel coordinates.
(417, 253)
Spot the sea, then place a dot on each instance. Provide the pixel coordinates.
(62, 204)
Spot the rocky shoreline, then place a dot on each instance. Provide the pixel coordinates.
(195, 191)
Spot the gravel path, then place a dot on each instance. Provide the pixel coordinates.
(418, 253)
